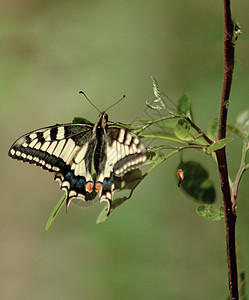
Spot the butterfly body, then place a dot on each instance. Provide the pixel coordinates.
(84, 157)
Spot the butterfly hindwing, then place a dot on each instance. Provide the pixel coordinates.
(77, 180)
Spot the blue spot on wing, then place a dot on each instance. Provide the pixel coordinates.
(69, 176)
(107, 184)
(78, 184)
(81, 182)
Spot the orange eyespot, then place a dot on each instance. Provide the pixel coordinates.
(89, 187)
(98, 187)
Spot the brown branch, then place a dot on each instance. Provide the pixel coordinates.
(206, 138)
(230, 216)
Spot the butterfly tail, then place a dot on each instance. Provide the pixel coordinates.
(107, 188)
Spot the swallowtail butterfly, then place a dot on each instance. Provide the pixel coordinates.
(85, 158)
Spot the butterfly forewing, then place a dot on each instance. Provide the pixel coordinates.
(51, 147)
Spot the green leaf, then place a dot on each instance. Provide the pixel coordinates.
(243, 118)
(184, 106)
(155, 153)
(55, 212)
(212, 129)
(158, 104)
(234, 129)
(195, 182)
(236, 33)
(103, 215)
(155, 87)
(183, 130)
(210, 212)
(218, 145)
(128, 181)
(243, 122)
(81, 120)
(242, 286)
(151, 156)
(207, 191)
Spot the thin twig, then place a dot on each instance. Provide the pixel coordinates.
(206, 138)
(230, 216)
(241, 171)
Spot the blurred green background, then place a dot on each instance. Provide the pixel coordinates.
(154, 246)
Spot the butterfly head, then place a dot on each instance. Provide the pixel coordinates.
(102, 121)
(103, 117)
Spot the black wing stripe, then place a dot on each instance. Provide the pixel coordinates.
(39, 158)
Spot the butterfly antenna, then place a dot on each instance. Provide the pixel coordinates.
(81, 92)
(115, 103)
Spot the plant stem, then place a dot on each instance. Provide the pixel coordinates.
(241, 171)
(206, 138)
(230, 216)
